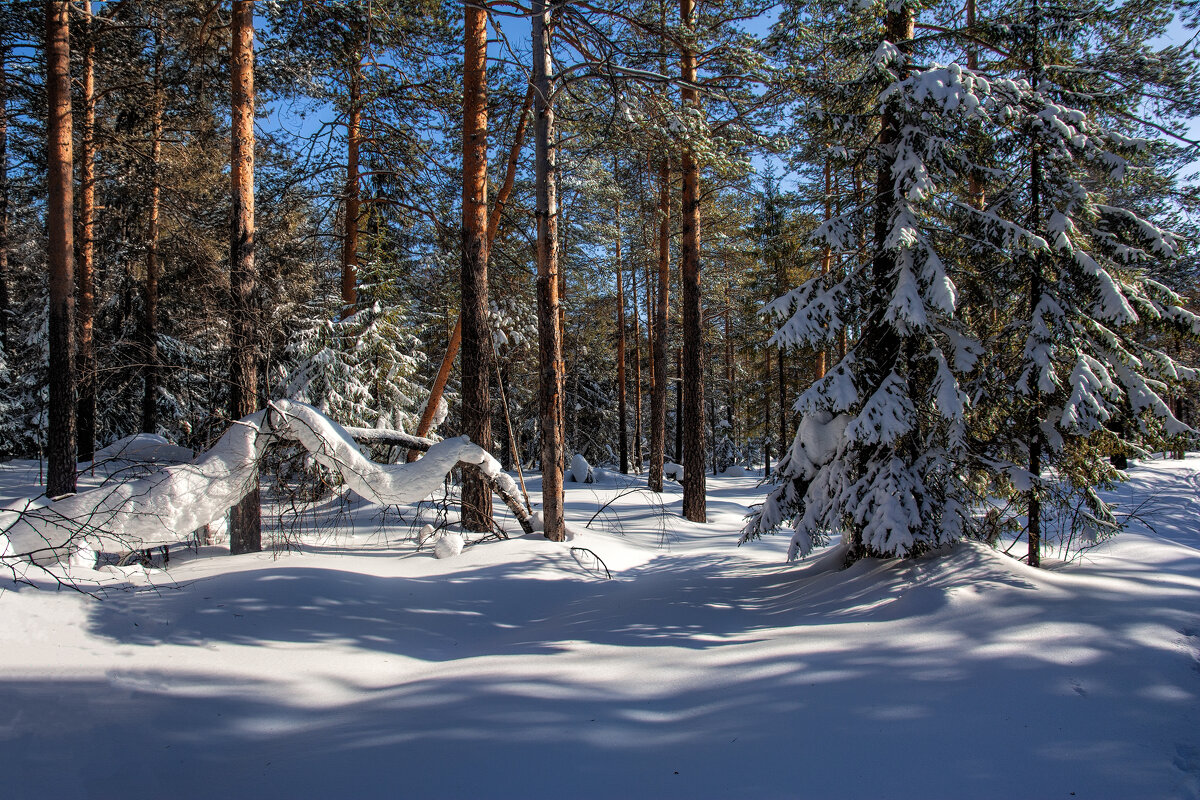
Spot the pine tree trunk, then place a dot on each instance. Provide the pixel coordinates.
(353, 196)
(637, 375)
(5, 300)
(819, 366)
(85, 274)
(729, 387)
(1036, 287)
(767, 418)
(679, 405)
(150, 288)
(476, 338)
(245, 524)
(622, 411)
(658, 394)
(550, 385)
(61, 438)
(694, 500)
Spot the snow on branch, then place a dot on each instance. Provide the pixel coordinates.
(167, 506)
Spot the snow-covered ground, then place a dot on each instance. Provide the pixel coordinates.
(361, 667)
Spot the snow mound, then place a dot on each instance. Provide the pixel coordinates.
(673, 471)
(449, 544)
(145, 448)
(735, 471)
(581, 470)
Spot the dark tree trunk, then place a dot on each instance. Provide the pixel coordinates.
(476, 339)
(767, 419)
(85, 275)
(882, 344)
(353, 196)
(679, 405)
(622, 411)
(1036, 288)
(150, 288)
(637, 375)
(245, 524)
(694, 500)
(550, 364)
(658, 395)
(5, 300)
(61, 439)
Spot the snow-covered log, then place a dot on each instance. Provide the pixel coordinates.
(168, 506)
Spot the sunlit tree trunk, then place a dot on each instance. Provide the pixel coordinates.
(245, 524)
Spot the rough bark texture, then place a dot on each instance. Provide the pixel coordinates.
(353, 197)
(150, 287)
(658, 394)
(767, 418)
(550, 363)
(694, 501)
(5, 352)
(637, 374)
(1036, 288)
(85, 272)
(245, 525)
(476, 339)
(826, 264)
(622, 411)
(61, 440)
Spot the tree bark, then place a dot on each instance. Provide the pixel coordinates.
(476, 338)
(694, 500)
(637, 375)
(150, 288)
(1036, 288)
(550, 385)
(353, 195)
(85, 276)
(622, 411)
(61, 438)
(5, 301)
(245, 524)
(767, 419)
(658, 395)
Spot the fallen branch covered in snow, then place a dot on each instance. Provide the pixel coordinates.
(167, 506)
(499, 482)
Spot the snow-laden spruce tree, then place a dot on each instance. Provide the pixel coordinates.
(359, 370)
(1074, 255)
(878, 453)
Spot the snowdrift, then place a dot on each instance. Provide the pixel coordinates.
(166, 507)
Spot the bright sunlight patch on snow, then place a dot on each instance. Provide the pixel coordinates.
(364, 667)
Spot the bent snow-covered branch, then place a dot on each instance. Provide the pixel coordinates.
(167, 506)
